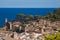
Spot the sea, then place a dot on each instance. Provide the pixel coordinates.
(10, 13)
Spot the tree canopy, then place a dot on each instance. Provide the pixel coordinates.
(50, 15)
(53, 36)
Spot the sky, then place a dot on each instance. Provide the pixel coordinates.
(29, 3)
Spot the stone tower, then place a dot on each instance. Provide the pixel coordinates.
(6, 20)
(7, 24)
(4, 27)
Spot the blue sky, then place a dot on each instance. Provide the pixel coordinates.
(29, 3)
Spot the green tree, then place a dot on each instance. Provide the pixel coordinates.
(21, 15)
(49, 16)
(53, 36)
(37, 17)
(49, 37)
(57, 36)
(57, 13)
(28, 17)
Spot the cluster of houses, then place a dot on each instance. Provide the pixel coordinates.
(34, 30)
